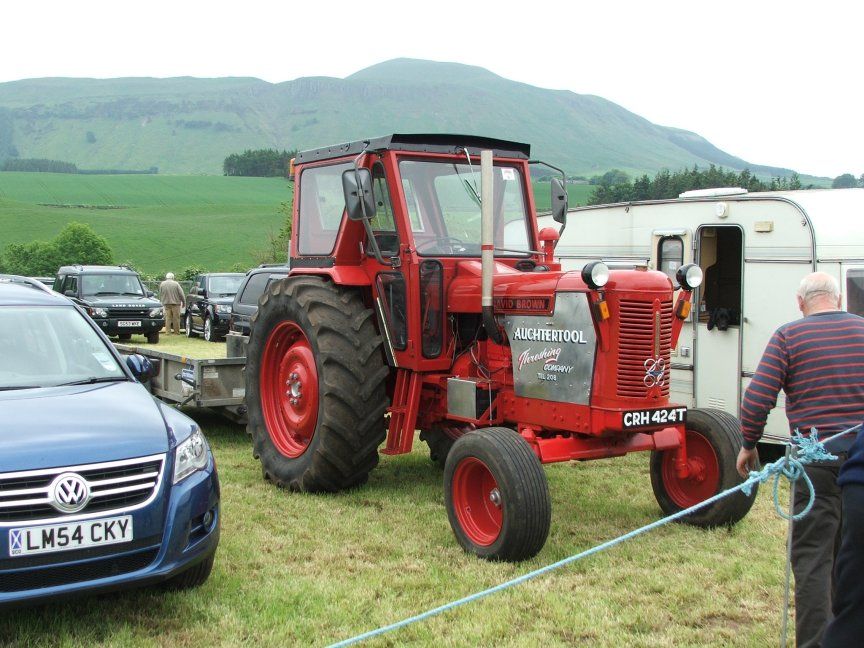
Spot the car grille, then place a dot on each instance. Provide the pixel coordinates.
(76, 573)
(128, 312)
(26, 496)
(638, 342)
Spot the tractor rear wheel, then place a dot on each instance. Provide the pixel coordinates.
(713, 440)
(315, 386)
(497, 496)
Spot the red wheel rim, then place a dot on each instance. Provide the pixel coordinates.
(477, 501)
(289, 389)
(703, 480)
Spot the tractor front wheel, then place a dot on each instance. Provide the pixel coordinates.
(497, 496)
(315, 386)
(713, 441)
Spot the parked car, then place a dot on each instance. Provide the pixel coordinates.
(245, 303)
(102, 487)
(115, 298)
(208, 304)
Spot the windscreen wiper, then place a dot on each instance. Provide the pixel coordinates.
(93, 379)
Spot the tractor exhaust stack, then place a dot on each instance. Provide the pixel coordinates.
(487, 247)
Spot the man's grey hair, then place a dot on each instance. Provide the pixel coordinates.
(818, 283)
(170, 275)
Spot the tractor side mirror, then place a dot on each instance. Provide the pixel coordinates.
(559, 201)
(359, 199)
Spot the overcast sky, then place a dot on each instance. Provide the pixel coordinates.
(775, 83)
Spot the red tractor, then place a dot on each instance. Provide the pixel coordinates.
(421, 288)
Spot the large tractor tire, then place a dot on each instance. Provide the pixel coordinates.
(713, 441)
(497, 496)
(315, 386)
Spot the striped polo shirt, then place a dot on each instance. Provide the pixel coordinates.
(819, 362)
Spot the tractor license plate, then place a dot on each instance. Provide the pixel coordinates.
(64, 537)
(646, 418)
(129, 323)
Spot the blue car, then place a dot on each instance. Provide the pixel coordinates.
(102, 487)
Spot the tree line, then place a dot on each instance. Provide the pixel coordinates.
(260, 163)
(76, 243)
(616, 186)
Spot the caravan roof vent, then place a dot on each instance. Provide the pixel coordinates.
(717, 191)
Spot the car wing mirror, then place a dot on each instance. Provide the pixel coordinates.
(559, 201)
(69, 293)
(359, 199)
(141, 367)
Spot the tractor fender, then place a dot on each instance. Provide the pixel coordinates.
(341, 276)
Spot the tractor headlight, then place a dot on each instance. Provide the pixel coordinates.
(156, 312)
(99, 312)
(190, 456)
(595, 274)
(689, 276)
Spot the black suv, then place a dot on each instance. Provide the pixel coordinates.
(246, 301)
(208, 304)
(115, 299)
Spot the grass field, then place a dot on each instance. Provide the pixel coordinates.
(158, 223)
(298, 569)
(162, 223)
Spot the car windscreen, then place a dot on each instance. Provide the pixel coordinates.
(46, 346)
(111, 284)
(225, 285)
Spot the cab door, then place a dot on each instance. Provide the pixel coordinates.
(719, 318)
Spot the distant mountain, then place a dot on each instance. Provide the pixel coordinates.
(189, 125)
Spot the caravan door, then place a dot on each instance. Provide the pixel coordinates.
(718, 319)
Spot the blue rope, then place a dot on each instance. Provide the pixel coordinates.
(810, 449)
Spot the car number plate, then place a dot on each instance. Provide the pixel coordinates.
(129, 323)
(65, 537)
(646, 418)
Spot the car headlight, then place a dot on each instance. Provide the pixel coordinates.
(223, 308)
(156, 312)
(99, 312)
(190, 456)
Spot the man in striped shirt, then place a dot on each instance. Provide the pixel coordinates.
(818, 361)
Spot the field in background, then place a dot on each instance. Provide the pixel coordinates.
(161, 223)
(298, 569)
(158, 223)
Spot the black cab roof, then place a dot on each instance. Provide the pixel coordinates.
(417, 142)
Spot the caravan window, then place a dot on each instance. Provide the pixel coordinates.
(670, 255)
(855, 291)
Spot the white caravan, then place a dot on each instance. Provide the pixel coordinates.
(754, 248)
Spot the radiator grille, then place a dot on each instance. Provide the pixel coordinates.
(638, 342)
(26, 496)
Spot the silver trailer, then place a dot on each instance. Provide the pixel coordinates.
(216, 383)
(754, 248)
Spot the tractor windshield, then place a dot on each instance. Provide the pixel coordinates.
(444, 208)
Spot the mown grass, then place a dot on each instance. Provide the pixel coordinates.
(299, 569)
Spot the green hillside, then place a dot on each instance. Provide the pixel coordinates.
(188, 125)
(158, 223)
